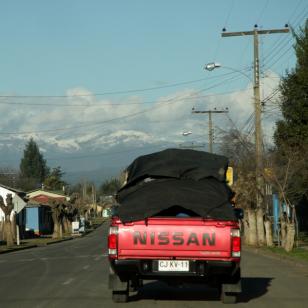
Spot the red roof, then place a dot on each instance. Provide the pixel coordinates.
(43, 199)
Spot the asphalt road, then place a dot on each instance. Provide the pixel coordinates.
(74, 274)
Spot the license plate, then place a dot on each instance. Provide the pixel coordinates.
(173, 266)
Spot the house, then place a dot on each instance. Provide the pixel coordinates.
(19, 201)
(38, 212)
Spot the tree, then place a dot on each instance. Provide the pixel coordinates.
(291, 135)
(7, 210)
(54, 180)
(110, 187)
(8, 177)
(65, 212)
(290, 166)
(33, 167)
(79, 206)
(57, 213)
(240, 150)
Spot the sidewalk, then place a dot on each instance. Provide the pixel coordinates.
(44, 241)
(32, 243)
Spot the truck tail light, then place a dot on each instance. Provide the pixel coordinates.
(113, 242)
(236, 243)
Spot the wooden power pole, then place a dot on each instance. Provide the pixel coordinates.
(211, 135)
(257, 100)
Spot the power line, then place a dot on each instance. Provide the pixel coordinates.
(283, 38)
(210, 112)
(280, 57)
(262, 11)
(245, 49)
(117, 92)
(248, 122)
(106, 104)
(238, 133)
(92, 124)
(225, 25)
(280, 44)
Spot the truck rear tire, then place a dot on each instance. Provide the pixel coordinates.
(120, 296)
(228, 298)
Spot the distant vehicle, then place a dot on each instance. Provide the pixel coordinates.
(107, 212)
(175, 223)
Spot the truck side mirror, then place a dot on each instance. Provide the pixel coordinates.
(239, 213)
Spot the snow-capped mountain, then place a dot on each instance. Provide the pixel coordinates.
(93, 156)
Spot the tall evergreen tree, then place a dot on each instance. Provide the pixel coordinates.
(291, 135)
(54, 181)
(33, 166)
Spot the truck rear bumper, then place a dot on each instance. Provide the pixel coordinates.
(148, 269)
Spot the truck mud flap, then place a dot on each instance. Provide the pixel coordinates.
(116, 284)
(232, 287)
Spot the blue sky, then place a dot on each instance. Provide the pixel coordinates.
(51, 46)
(80, 48)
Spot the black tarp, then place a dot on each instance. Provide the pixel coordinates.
(178, 163)
(193, 180)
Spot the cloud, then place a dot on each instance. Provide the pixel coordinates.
(82, 119)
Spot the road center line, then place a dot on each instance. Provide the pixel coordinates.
(68, 281)
(27, 260)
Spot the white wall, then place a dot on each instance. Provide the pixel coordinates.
(16, 199)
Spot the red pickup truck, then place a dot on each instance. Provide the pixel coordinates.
(179, 244)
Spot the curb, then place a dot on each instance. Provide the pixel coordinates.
(17, 249)
(50, 243)
(59, 241)
(272, 255)
(35, 246)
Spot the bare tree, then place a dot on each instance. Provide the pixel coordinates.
(57, 212)
(70, 213)
(80, 205)
(7, 210)
(240, 149)
(281, 178)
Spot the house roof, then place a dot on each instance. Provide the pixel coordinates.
(43, 197)
(56, 192)
(48, 194)
(20, 193)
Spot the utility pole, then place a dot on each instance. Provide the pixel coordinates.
(211, 135)
(93, 194)
(84, 190)
(257, 100)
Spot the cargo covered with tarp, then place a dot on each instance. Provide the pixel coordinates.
(180, 181)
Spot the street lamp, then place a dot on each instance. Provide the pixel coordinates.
(191, 146)
(213, 65)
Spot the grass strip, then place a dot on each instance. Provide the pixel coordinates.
(296, 253)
